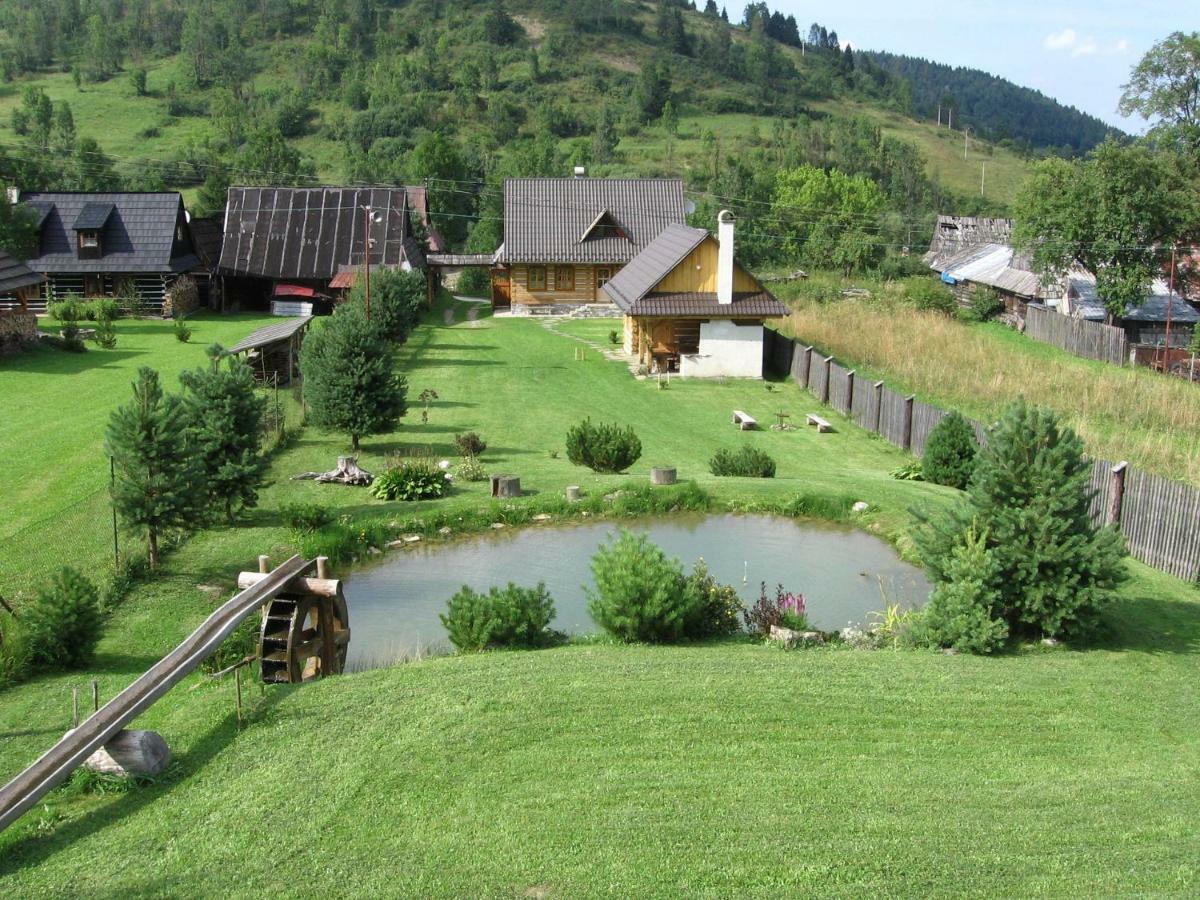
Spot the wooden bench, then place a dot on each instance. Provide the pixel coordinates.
(822, 425)
(744, 420)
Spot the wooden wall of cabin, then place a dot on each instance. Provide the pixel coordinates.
(585, 289)
(697, 273)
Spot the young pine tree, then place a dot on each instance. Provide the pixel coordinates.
(158, 485)
(1030, 495)
(224, 420)
(349, 380)
(950, 452)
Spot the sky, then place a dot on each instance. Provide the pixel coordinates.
(1078, 53)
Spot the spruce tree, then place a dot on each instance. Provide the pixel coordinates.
(1030, 495)
(157, 486)
(224, 420)
(950, 452)
(349, 381)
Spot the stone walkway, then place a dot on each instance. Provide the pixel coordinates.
(617, 354)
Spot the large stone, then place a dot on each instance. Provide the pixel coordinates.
(791, 637)
(140, 753)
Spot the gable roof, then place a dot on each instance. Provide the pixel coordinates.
(954, 234)
(309, 233)
(15, 275)
(548, 220)
(632, 288)
(993, 265)
(207, 236)
(137, 232)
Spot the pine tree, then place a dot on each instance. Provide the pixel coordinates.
(158, 486)
(349, 380)
(950, 452)
(224, 419)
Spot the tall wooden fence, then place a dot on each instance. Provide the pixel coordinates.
(1159, 518)
(1093, 340)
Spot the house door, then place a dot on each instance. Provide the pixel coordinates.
(501, 289)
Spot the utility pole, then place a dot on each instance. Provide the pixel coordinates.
(939, 115)
(950, 118)
(982, 179)
(1170, 306)
(966, 140)
(367, 258)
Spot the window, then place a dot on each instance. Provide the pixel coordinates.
(564, 278)
(93, 285)
(537, 278)
(89, 239)
(603, 276)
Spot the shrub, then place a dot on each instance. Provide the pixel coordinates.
(183, 333)
(396, 301)
(474, 282)
(70, 339)
(930, 295)
(747, 462)
(964, 610)
(62, 624)
(305, 516)
(716, 608)
(470, 470)
(603, 448)
(412, 479)
(469, 443)
(614, 338)
(106, 334)
(68, 310)
(512, 617)
(640, 594)
(950, 452)
(14, 650)
(793, 612)
(983, 303)
(784, 609)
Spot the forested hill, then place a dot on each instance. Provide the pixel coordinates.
(993, 107)
(199, 94)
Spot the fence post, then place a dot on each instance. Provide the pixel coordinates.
(1116, 493)
(850, 393)
(825, 387)
(906, 432)
(878, 406)
(807, 366)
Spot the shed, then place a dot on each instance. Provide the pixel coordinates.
(274, 349)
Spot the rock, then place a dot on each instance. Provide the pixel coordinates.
(143, 753)
(861, 506)
(374, 551)
(542, 517)
(790, 637)
(573, 493)
(949, 651)
(1050, 642)
(498, 525)
(411, 538)
(393, 545)
(445, 530)
(585, 514)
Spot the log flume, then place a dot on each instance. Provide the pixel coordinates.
(53, 766)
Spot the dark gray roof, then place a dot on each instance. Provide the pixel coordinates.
(40, 210)
(270, 334)
(308, 233)
(653, 264)
(1155, 310)
(705, 306)
(138, 236)
(93, 216)
(15, 275)
(207, 236)
(550, 220)
(954, 234)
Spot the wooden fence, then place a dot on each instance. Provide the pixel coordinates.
(1092, 340)
(1159, 518)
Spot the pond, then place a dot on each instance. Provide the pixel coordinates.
(845, 574)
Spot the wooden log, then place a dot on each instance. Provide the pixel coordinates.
(317, 587)
(1116, 493)
(142, 753)
(347, 472)
(662, 475)
(573, 493)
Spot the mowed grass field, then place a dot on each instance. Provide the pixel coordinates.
(595, 769)
(1120, 412)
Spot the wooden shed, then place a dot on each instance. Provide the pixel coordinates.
(274, 350)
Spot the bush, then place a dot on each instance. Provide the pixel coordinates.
(512, 617)
(470, 470)
(106, 334)
(964, 610)
(474, 282)
(640, 594)
(183, 333)
(62, 624)
(305, 516)
(412, 479)
(716, 608)
(396, 301)
(603, 448)
(748, 462)
(103, 310)
(930, 295)
(614, 338)
(950, 452)
(469, 443)
(982, 304)
(68, 310)
(785, 610)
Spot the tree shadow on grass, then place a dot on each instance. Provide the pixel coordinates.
(33, 849)
(1147, 625)
(48, 361)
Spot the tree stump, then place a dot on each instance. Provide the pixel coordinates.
(347, 472)
(662, 475)
(506, 486)
(573, 493)
(143, 753)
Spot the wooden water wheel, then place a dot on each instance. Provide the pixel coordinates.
(304, 636)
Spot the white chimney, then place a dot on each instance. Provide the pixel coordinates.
(725, 222)
(580, 171)
(14, 194)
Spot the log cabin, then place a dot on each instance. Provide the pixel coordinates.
(690, 307)
(565, 238)
(18, 284)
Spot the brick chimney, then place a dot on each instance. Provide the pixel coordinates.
(725, 222)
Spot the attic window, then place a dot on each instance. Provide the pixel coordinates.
(89, 240)
(604, 226)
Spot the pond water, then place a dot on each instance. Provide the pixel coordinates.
(845, 574)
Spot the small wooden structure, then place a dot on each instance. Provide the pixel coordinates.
(744, 420)
(821, 424)
(274, 350)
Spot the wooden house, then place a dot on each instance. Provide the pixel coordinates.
(565, 238)
(969, 253)
(105, 244)
(293, 249)
(1144, 324)
(690, 307)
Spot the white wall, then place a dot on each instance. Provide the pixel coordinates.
(726, 350)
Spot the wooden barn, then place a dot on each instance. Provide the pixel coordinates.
(690, 307)
(565, 238)
(969, 253)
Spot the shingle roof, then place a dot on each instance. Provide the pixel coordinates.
(93, 216)
(992, 264)
(208, 234)
(954, 234)
(548, 219)
(270, 334)
(15, 275)
(137, 236)
(705, 305)
(308, 233)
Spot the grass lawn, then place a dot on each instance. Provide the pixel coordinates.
(598, 769)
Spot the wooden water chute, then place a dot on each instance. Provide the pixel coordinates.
(305, 631)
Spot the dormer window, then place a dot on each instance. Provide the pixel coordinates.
(89, 225)
(89, 240)
(604, 225)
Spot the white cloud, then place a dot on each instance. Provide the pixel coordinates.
(1086, 47)
(1063, 40)
(1121, 47)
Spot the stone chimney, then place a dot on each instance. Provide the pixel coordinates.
(580, 171)
(725, 222)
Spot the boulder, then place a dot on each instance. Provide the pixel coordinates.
(789, 637)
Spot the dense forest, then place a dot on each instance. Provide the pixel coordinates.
(995, 109)
(459, 95)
